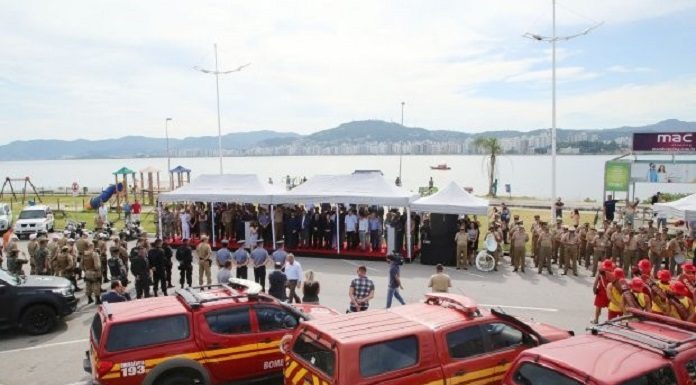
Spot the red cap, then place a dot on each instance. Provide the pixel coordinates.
(644, 265)
(664, 276)
(637, 284)
(619, 273)
(679, 288)
(608, 265)
(689, 267)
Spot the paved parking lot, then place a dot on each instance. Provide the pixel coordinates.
(565, 301)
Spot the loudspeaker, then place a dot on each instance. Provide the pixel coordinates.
(439, 247)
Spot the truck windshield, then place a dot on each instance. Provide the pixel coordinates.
(317, 355)
(32, 214)
(533, 374)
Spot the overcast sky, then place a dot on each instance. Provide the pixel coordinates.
(102, 69)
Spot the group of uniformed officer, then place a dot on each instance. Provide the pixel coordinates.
(570, 246)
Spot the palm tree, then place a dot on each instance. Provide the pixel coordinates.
(492, 147)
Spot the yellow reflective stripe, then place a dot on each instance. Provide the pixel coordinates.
(436, 382)
(217, 355)
(474, 378)
(487, 380)
(298, 375)
(290, 368)
(315, 380)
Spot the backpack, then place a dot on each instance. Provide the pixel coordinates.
(114, 266)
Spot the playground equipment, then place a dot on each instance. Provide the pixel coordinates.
(27, 182)
(124, 172)
(179, 171)
(150, 185)
(104, 196)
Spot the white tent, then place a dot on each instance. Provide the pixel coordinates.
(369, 188)
(453, 199)
(684, 208)
(245, 188)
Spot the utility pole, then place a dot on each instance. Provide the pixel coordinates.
(166, 134)
(401, 144)
(217, 74)
(553, 39)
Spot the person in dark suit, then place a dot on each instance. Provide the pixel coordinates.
(116, 294)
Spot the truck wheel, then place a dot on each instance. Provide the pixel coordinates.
(180, 379)
(38, 319)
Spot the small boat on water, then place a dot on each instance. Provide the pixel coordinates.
(442, 166)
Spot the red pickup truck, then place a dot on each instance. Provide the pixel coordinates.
(637, 349)
(230, 333)
(446, 339)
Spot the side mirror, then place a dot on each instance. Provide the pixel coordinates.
(529, 340)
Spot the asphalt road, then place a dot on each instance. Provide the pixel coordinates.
(564, 301)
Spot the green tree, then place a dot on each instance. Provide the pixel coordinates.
(492, 148)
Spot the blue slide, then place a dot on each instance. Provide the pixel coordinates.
(105, 195)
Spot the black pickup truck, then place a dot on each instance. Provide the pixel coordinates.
(35, 302)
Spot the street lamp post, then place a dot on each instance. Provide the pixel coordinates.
(553, 39)
(217, 74)
(401, 144)
(166, 134)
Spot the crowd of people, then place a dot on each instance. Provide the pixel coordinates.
(312, 227)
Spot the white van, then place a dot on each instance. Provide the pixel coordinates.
(33, 219)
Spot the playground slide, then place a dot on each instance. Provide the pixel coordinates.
(104, 196)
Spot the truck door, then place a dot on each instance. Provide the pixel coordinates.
(465, 357)
(504, 342)
(273, 322)
(229, 342)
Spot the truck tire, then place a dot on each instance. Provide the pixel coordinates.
(187, 378)
(38, 319)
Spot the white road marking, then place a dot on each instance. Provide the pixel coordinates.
(464, 272)
(358, 264)
(547, 309)
(45, 346)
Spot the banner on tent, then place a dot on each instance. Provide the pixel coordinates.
(663, 172)
(664, 142)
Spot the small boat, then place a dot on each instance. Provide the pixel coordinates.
(442, 166)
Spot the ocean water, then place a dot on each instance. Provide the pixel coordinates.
(578, 177)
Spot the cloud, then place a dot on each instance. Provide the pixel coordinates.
(625, 70)
(77, 69)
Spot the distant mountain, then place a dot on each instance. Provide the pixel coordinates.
(347, 138)
(132, 146)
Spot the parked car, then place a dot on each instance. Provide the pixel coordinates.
(446, 339)
(34, 303)
(642, 348)
(5, 217)
(34, 219)
(227, 334)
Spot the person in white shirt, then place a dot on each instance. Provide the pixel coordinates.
(103, 212)
(351, 227)
(185, 219)
(293, 270)
(363, 224)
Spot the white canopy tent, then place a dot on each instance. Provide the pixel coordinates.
(684, 208)
(369, 188)
(247, 188)
(453, 199)
(360, 187)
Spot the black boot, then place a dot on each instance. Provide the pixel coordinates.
(89, 299)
